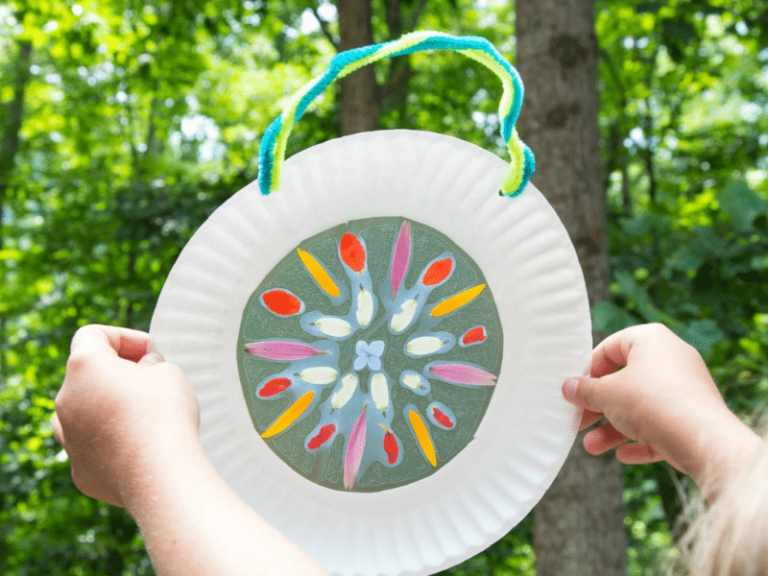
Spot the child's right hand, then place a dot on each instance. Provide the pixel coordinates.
(665, 399)
(120, 411)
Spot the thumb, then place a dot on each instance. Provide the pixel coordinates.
(585, 392)
(151, 358)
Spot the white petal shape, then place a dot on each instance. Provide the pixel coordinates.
(416, 382)
(411, 380)
(424, 345)
(380, 391)
(403, 319)
(364, 307)
(347, 390)
(319, 375)
(333, 327)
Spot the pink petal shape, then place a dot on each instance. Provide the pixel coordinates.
(282, 350)
(355, 448)
(463, 374)
(401, 258)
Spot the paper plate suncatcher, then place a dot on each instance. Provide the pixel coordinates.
(377, 331)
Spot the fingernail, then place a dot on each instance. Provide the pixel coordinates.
(569, 388)
(153, 358)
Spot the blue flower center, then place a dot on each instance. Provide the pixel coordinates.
(369, 355)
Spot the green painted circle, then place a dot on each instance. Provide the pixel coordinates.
(463, 403)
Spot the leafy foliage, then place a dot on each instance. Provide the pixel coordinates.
(139, 119)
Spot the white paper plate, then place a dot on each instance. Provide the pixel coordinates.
(528, 429)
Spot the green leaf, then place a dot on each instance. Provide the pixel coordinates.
(652, 7)
(638, 225)
(711, 244)
(9, 254)
(742, 204)
(610, 318)
(679, 30)
(703, 335)
(707, 9)
(685, 258)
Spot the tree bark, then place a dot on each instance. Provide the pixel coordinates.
(359, 91)
(579, 524)
(394, 93)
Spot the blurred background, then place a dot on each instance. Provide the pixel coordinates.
(124, 124)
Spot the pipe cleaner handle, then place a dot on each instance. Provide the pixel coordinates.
(272, 151)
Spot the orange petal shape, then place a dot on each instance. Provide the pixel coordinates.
(317, 272)
(437, 272)
(352, 252)
(456, 301)
(423, 437)
(290, 416)
(282, 302)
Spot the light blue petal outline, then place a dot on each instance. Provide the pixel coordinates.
(360, 363)
(376, 348)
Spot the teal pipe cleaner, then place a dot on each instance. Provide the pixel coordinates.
(273, 143)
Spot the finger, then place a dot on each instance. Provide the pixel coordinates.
(589, 418)
(58, 432)
(637, 453)
(602, 439)
(152, 358)
(613, 352)
(587, 393)
(609, 355)
(124, 342)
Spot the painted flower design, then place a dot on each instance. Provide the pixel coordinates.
(368, 355)
(371, 342)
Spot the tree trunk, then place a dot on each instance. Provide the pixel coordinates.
(579, 524)
(359, 90)
(394, 93)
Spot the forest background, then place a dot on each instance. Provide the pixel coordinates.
(124, 124)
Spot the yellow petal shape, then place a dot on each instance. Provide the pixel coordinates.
(318, 273)
(422, 435)
(457, 301)
(290, 415)
(402, 319)
(318, 375)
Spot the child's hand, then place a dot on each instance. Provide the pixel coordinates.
(120, 406)
(129, 423)
(664, 398)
